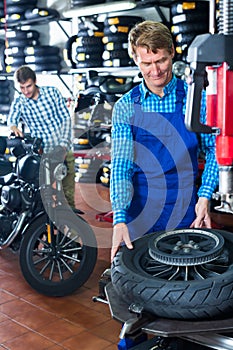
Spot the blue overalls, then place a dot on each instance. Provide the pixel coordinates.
(165, 169)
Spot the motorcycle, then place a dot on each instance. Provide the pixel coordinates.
(57, 247)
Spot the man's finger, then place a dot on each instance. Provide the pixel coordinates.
(113, 253)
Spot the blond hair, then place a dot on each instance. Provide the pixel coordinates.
(151, 35)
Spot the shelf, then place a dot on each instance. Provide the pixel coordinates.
(123, 71)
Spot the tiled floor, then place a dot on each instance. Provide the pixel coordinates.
(30, 321)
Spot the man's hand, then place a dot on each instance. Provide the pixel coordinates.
(202, 214)
(120, 234)
(16, 131)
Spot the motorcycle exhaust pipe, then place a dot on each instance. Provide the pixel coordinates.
(15, 232)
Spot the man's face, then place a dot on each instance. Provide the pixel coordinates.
(156, 68)
(29, 88)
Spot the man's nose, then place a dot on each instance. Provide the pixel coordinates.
(155, 68)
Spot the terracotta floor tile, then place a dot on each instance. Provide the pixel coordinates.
(5, 297)
(9, 330)
(28, 341)
(112, 347)
(3, 317)
(88, 318)
(60, 330)
(86, 341)
(109, 330)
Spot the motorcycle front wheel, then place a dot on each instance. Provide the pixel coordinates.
(58, 265)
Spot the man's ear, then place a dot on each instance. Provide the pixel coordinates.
(135, 59)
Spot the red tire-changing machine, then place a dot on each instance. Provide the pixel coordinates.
(212, 55)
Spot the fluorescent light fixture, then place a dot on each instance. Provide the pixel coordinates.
(97, 9)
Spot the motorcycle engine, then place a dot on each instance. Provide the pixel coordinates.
(11, 197)
(17, 197)
(7, 224)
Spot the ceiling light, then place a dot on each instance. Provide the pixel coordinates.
(108, 7)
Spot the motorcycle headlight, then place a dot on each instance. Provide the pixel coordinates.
(60, 172)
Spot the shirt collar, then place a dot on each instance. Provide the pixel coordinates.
(167, 89)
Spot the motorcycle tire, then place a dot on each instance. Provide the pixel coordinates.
(61, 268)
(177, 290)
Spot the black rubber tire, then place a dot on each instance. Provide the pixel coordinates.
(116, 29)
(111, 46)
(40, 13)
(42, 50)
(14, 19)
(189, 7)
(14, 9)
(86, 57)
(90, 49)
(5, 108)
(85, 2)
(181, 39)
(81, 263)
(22, 34)
(122, 20)
(89, 40)
(191, 18)
(15, 51)
(111, 55)
(123, 62)
(2, 56)
(21, 2)
(14, 42)
(5, 99)
(135, 281)
(15, 61)
(89, 64)
(115, 38)
(91, 33)
(194, 27)
(45, 67)
(42, 59)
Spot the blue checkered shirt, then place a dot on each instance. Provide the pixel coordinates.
(47, 117)
(122, 151)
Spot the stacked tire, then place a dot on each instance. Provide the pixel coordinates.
(6, 95)
(85, 49)
(19, 12)
(29, 51)
(17, 40)
(14, 12)
(43, 58)
(116, 30)
(188, 19)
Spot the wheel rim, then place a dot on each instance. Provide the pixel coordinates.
(186, 247)
(58, 261)
(168, 259)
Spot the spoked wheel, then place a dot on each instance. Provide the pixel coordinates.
(182, 274)
(186, 247)
(59, 266)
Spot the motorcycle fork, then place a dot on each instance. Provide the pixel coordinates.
(51, 202)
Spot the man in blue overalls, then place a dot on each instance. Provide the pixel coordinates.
(154, 157)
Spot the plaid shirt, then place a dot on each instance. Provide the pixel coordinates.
(122, 152)
(47, 117)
